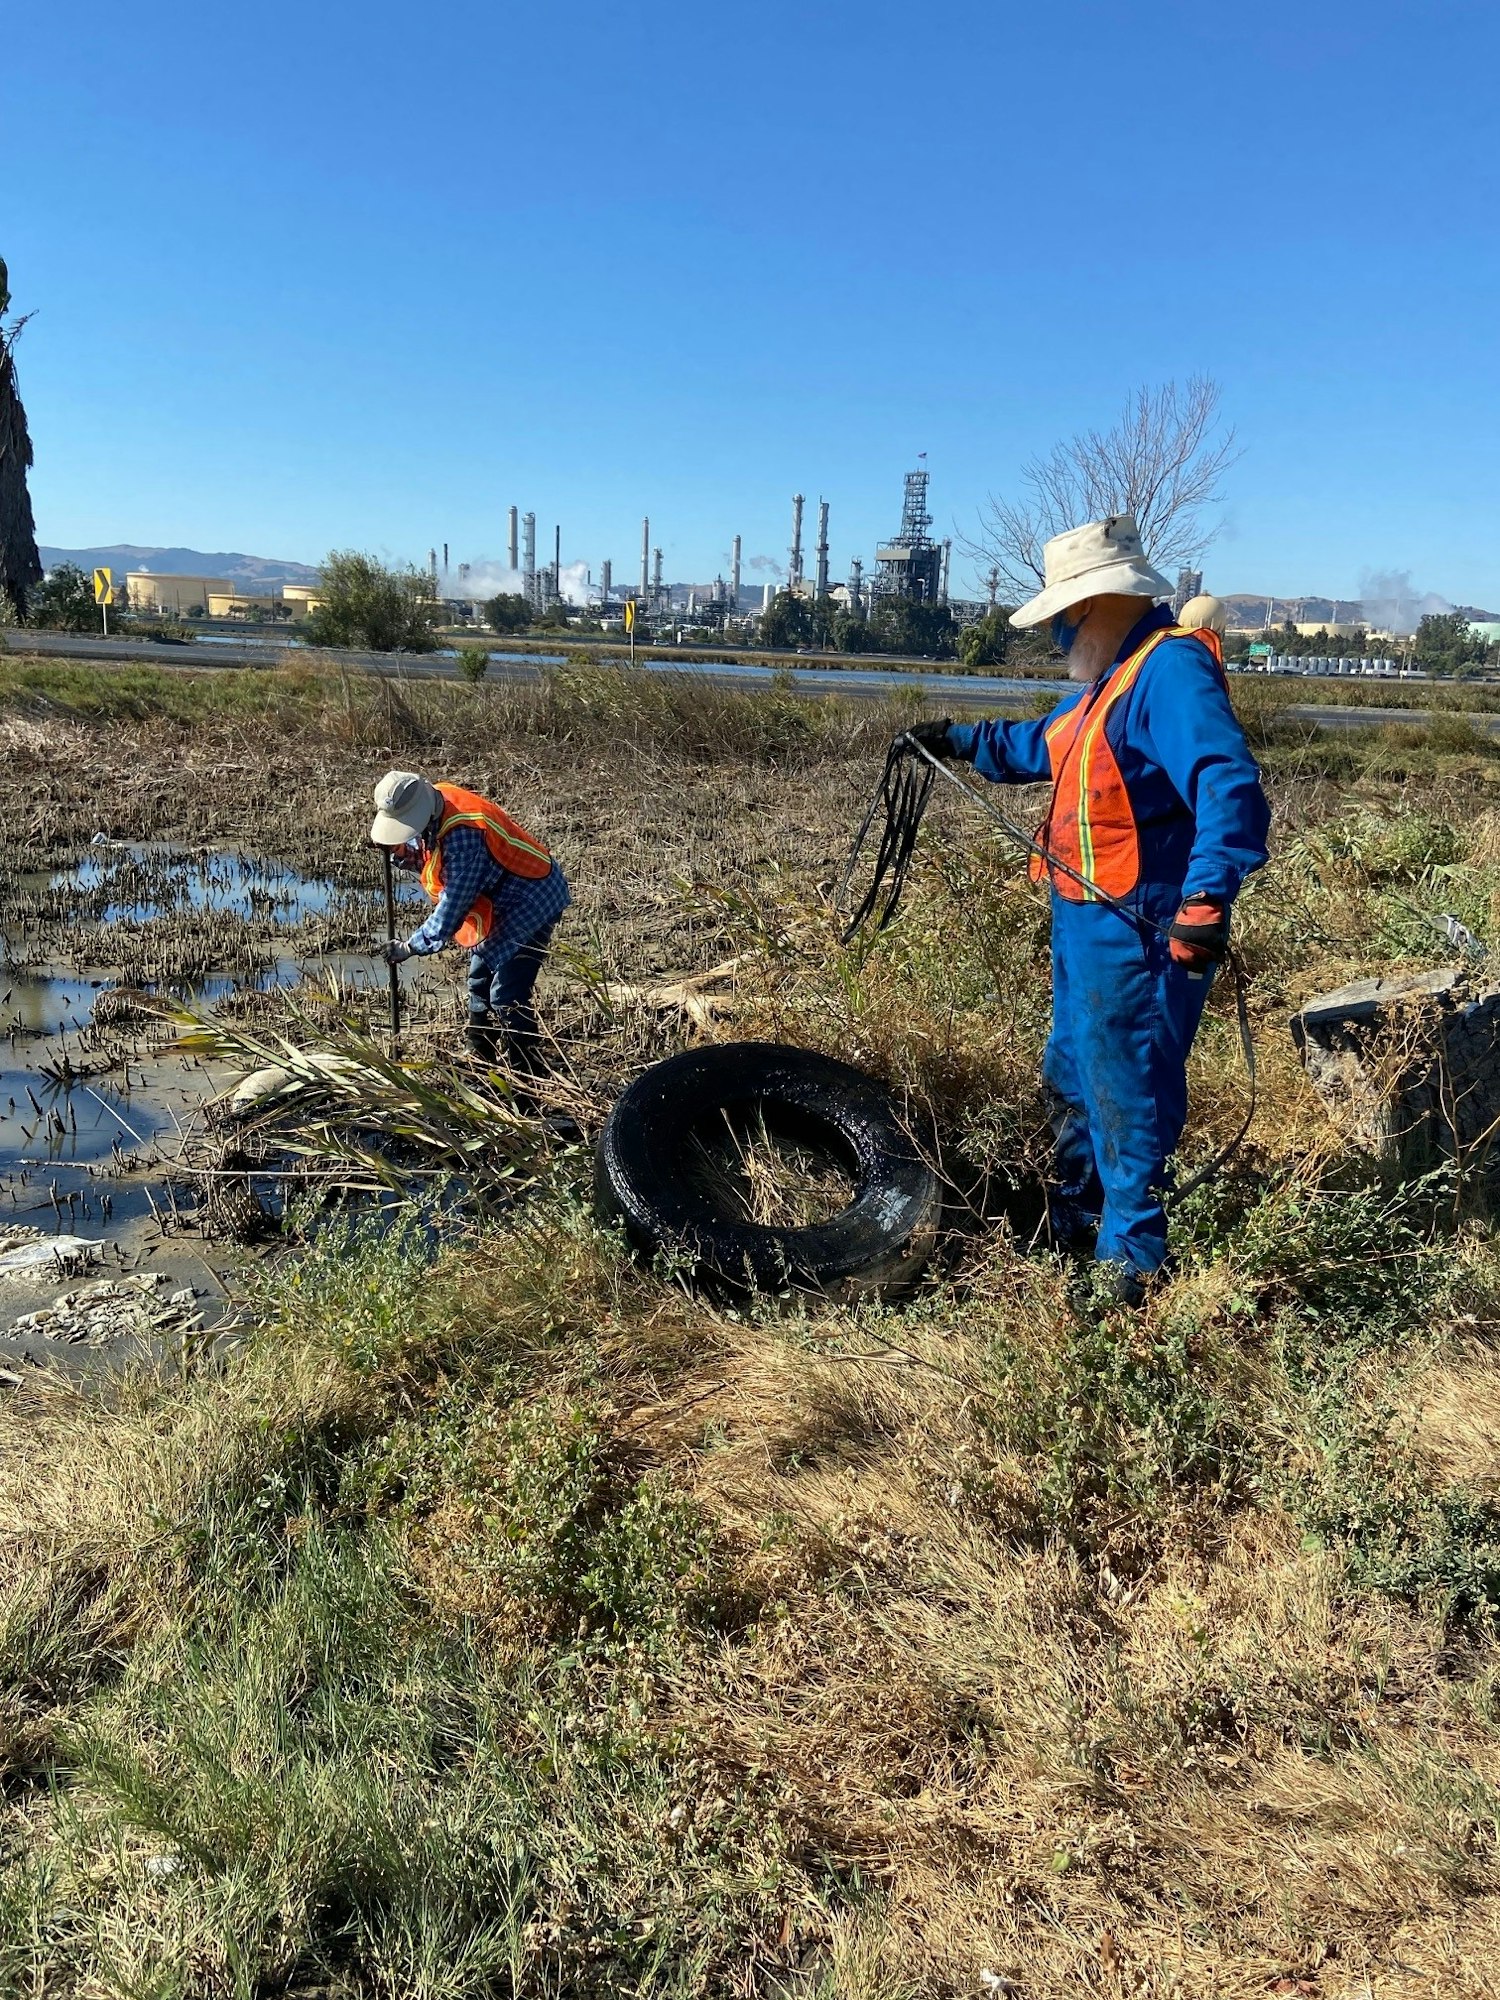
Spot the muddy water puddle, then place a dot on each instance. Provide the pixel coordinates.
(94, 1100)
(138, 881)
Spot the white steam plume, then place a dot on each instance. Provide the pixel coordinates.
(485, 579)
(1390, 603)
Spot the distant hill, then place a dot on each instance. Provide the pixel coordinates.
(1246, 613)
(122, 556)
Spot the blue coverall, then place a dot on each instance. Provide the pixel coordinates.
(1124, 1013)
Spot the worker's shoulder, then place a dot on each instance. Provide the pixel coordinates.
(1178, 657)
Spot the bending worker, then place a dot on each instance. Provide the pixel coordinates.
(1157, 801)
(497, 890)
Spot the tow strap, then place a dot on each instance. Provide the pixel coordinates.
(904, 790)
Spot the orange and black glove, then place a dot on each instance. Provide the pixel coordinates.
(1199, 936)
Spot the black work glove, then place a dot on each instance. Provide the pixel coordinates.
(1200, 936)
(396, 953)
(933, 737)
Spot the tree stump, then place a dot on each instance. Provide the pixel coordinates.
(1409, 1065)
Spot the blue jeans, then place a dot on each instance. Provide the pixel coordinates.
(502, 995)
(1123, 1019)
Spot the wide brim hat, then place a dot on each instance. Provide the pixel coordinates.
(404, 803)
(1100, 559)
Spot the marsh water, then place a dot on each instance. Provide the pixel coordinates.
(95, 1099)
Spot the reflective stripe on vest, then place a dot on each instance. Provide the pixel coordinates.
(510, 846)
(1090, 824)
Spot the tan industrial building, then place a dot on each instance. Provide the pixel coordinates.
(149, 590)
(236, 604)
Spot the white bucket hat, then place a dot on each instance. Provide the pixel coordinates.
(404, 804)
(1204, 614)
(1100, 559)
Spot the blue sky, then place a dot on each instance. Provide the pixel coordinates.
(363, 276)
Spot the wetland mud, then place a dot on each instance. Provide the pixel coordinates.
(102, 952)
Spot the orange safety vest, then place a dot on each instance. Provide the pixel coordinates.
(1090, 824)
(516, 850)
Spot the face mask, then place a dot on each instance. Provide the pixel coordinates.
(1063, 634)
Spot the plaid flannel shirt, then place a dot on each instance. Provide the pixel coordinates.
(522, 906)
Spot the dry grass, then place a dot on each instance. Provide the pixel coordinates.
(520, 1625)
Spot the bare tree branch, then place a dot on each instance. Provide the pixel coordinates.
(1164, 462)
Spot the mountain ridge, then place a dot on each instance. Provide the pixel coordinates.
(232, 565)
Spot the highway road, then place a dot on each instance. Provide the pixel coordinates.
(213, 651)
(970, 690)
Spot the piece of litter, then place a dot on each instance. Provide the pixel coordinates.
(183, 1298)
(28, 1259)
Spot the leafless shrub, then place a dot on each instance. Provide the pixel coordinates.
(1164, 461)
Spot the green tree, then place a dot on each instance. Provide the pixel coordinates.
(365, 605)
(64, 601)
(986, 642)
(20, 565)
(1446, 643)
(507, 613)
(924, 630)
(786, 621)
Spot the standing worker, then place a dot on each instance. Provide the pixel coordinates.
(1156, 801)
(497, 890)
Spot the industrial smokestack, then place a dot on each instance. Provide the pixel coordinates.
(856, 585)
(646, 557)
(822, 590)
(528, 558)
(656, 575)
(557, 562)
(767, 592)
(943, 582)
(734, 577)
(794, 570)
(512, 545)
(605, 574)
(432, 566)
(445, 561)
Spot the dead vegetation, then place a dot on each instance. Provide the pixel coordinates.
(500, 1620)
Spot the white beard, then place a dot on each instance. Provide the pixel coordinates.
(1089, 658)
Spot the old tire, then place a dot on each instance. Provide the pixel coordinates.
(644, 1176)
